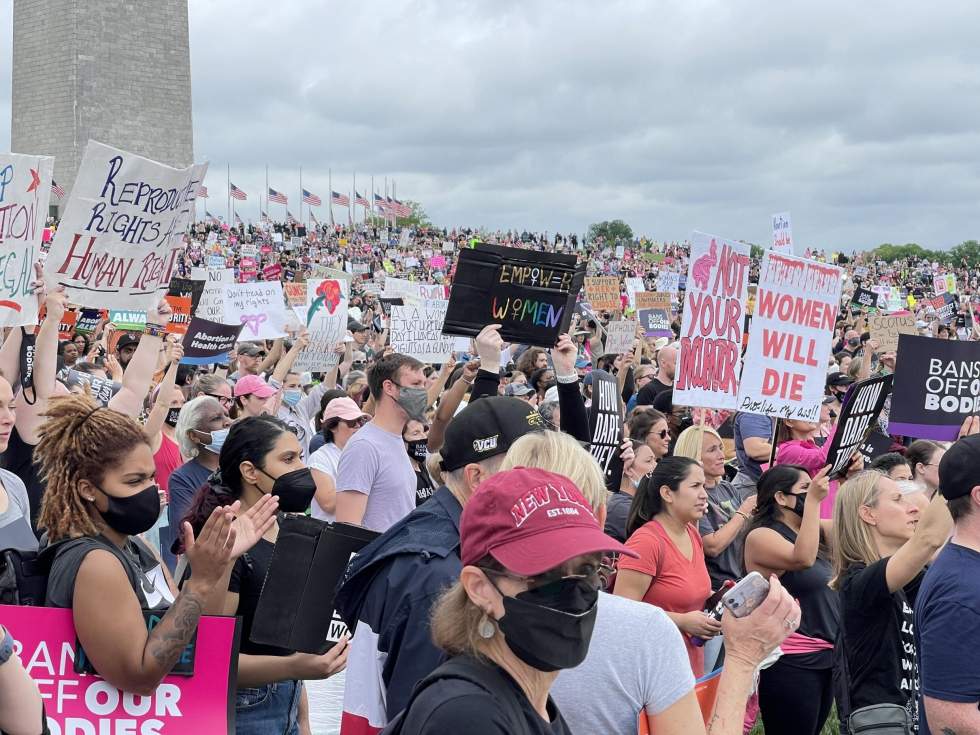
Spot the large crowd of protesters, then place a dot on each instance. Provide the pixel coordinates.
(509, 590)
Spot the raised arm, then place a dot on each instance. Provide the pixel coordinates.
(272, 357)
(139, 373)
(30, 414)
(158, 414)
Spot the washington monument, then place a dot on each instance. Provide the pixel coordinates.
(116, 71)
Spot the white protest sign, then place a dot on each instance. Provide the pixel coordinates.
(326, 319)
(790, 340)
(404, 239)
(782, 233)
(210, 306)
(669, 282)
(620, 251)
(25, 188)
(713, 321)
(619, 336)
(259, 306)
(122, 229)
(395, 287)
(416, 330)
(633, 285)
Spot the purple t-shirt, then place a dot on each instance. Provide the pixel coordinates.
(375, 463)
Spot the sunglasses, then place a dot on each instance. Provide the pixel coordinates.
(356, 423)
(663, 434)
(588, 572)
(223, 400)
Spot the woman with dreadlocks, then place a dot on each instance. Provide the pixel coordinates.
(100, 495)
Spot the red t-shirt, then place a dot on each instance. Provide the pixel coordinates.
(679, 584)
(167, 459)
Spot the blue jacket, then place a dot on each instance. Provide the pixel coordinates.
(390, 587)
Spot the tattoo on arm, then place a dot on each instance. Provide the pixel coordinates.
(948, 731)
(167, 641)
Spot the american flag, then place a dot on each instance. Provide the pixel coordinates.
(358, 199)
(210, 217)
(277, 197)
(313, 217)
(292, 220)
(402, 210)
(310, 198)
(202, 193)
(263, 216)
(380, 203)
(57, 190)
(237, 193)
(339, 199)
(238, 220)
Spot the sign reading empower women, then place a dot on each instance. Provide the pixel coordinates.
(530, 293)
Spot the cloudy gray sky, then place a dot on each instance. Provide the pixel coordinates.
(861, 119)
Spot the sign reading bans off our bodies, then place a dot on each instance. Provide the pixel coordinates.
(937, 386)
(123, 227)
(530, 293)
(790, 339)
(712, 325)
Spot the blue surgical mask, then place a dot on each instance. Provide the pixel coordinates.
(292, 397)
(217, 440)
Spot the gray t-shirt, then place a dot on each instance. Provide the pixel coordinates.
(374, 462)
(636, 660)
(723, 501)
(15, 521)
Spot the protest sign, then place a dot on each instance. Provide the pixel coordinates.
(25, 188)
(128, 321)
(295, 296)
(602, 293)
(211, 306)
(102, 389)
(187, 288)
(606, 427)
(782, 234)
(416, 330)
(790, 340)
(939, 285)
(668, 282)
(620, 252)
(436, 261)
(858, 417)
(207, 342)
(325, 314)
(653, 313)
(181, 316)
(122, 229)
(88, 321)
(619, 336)
(633, 286)
(85, 704)
(861, 271)
(66, 327)
(272, 272)
(945, 307)
(937, 386)
(865, 298)
(874, 445)
(258, 306)
(713, 321)
(530, 293)
(885, 330)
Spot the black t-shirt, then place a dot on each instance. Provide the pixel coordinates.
(423, 487)
(819, 605)
(878, 639)
(617, 513)
(247, 578)
(649, 391)
(455, 705)
(19, 459)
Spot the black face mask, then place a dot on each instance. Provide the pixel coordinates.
(418, 449)
(295, 489)
(135, 514)
(172, 415)
(800, 503)
(550, 627)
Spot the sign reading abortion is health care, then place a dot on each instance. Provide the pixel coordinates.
(530, 293)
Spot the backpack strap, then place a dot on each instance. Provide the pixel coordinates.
(488, 676)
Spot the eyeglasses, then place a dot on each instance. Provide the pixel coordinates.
(356, 423)
(223, 400)
(589, 572)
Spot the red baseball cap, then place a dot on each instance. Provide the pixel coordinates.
(530, 520)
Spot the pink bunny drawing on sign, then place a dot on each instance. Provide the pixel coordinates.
(703, 265)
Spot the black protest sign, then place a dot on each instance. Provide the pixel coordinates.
(102, 389)
(874, 446)
(207, 342)
(606, 427)
(945, 306)
(309, 560)
(858, 416)
(937, 386)
(88, 321)
(531, 293)
(865, 298)
(387, 303)
(187, 288)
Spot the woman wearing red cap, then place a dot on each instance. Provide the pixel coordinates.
(524, 609)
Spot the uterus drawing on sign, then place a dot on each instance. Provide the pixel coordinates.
(253, 322)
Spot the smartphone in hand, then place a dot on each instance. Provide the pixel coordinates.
(747, 594)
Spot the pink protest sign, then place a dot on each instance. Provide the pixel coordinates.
(84, 704)
(438, 261)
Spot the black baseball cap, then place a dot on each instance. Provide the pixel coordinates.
(958, 468)
(485, 428)
(355, 326)
(127, 339)
(839, 380)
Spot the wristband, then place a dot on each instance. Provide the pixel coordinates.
(153, 330)
(7, 647)
(566, 379)
(740, 513)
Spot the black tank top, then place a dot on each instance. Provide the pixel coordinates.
(819, 605)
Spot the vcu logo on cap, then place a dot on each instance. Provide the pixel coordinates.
(485, 445)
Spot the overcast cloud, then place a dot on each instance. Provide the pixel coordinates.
(861, 119)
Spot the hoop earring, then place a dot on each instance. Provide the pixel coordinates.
(486, 629)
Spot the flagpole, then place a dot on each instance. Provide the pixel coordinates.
(229, 191)
(330, 194)
(354, 195)
(301, 195)
(266, 190)
(371, 200)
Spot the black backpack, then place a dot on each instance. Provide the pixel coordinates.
(486, 676)
(24, 574)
